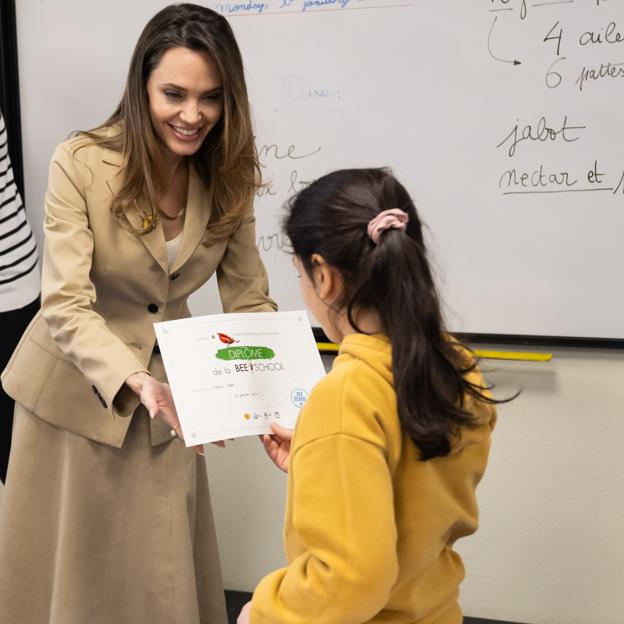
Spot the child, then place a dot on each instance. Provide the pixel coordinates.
(392, 443)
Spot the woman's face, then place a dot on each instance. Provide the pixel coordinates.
(185, 99)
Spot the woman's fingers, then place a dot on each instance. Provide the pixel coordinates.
(178, 430)
(157, 399)
(151, 405)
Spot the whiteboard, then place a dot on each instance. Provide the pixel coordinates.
(525, 235)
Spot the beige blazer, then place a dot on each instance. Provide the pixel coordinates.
(102, 289)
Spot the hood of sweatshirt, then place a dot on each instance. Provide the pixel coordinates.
(376, 351)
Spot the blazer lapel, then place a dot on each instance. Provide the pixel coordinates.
(198, 208)
(154, 239)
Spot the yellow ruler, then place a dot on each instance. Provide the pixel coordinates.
(513, 355)
(330, 347)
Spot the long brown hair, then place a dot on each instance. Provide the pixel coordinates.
(227, 160)
(393, 278)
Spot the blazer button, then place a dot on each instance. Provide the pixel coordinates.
(174, 276)
(153, 308)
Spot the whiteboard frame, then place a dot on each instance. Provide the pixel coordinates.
(517, 340)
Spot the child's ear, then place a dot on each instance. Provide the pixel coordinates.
(327, 280)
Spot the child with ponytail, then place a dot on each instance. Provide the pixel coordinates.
(392, 443)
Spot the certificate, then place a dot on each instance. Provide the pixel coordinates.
(232, 375)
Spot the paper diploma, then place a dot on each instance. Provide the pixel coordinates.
(232, 375)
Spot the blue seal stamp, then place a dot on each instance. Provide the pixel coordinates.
(298, 397)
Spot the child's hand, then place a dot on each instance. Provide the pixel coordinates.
(277, 445)
(243, 616)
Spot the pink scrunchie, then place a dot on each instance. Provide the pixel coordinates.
(393, 219)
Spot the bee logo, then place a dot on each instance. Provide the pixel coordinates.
(225, 339)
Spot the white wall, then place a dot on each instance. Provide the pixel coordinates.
(550, 549)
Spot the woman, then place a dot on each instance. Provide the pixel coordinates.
(105, 518)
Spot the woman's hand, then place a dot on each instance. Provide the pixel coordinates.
(243, 616)
(158, 401)
(277, 445)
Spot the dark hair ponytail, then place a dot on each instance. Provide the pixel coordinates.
(394, 278)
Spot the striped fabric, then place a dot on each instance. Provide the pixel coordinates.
(19, 269)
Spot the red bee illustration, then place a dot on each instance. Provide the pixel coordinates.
(225, 339)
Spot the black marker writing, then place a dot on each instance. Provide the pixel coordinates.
(273, 151)
(610, 34)
(512, 178)
(606, 70)
(540, 132)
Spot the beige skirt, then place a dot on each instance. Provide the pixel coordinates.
(91, 534)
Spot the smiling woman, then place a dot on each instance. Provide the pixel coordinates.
(185, 102)
(105, 512)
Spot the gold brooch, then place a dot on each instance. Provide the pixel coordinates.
(149, 222)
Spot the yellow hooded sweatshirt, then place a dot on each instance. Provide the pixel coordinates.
(369, 529)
